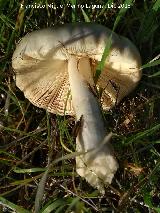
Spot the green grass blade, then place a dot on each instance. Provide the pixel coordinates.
(32, 170)
(154, 75)
(73, 5)
(156, 5)
(149, 23)
(157, 209)
(7, 21)
(25, 181)
(109, 42)
(122, 12)
(105, 7)
(86, 18)
(151, 64)
(59, 209)
(148, 201)
(40, 191)
(103, 59)
(72, 204)
(12, 206)
(141, 135)
(53, 206)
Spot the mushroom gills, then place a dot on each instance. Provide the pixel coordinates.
(98, 164)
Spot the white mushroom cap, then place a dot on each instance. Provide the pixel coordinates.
(40, 63)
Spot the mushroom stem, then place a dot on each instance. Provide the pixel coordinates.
(97, 165)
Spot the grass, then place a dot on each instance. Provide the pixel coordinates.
(30, 138)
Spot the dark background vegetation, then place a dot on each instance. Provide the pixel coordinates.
(29, 136)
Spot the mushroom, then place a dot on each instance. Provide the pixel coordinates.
(55, 68)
